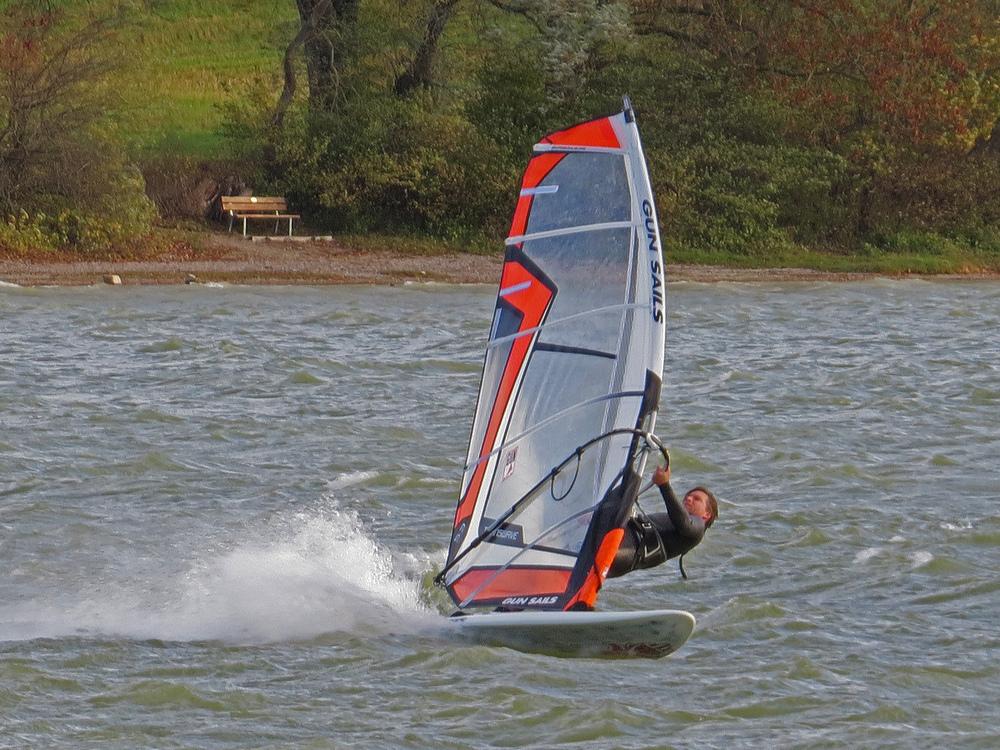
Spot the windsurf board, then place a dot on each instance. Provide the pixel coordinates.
(644, 634)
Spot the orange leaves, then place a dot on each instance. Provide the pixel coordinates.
(910, 69)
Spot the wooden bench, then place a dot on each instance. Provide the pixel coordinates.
(257, 207)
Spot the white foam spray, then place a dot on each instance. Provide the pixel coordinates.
(301, 578)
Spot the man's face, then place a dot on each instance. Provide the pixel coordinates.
(696, 503)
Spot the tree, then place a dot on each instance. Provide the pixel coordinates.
(571, 36)
(881, 84)
(57, 158)
(913, 70)
(568, 33)
(47, 106)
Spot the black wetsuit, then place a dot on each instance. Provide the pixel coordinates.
(651, 539)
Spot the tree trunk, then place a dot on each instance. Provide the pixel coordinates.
(331, 30)
(291, 85)
(419, 73)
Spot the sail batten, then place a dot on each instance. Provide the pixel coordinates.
(571, 378)
(548, 148)
(556, 418)
(521, 238)
(575, 318)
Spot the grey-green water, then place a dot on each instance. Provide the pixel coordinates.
(218, 508)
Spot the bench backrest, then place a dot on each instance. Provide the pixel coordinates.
(247, 203)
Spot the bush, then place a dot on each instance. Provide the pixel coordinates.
(984, 241)
(912, 242)
(389, 166)
(719, 167)
(427, 172)
(108, 223)
(23, 233)
(938, 191)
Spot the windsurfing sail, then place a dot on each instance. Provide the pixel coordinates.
(571, 378)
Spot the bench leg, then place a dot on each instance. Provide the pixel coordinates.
(244, 226)
(289, 226)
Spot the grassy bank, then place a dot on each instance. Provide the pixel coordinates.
(942, 256)
(195, 57)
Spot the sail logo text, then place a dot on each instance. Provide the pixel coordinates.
(508, 534)
(654, 265)
(509, 462)
(528, 601)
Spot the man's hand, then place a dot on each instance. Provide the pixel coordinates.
(661, 475)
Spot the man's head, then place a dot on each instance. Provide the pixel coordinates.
(702, 503)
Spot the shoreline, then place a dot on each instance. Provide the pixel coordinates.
(322, 261)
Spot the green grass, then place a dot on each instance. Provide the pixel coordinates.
(193, 57)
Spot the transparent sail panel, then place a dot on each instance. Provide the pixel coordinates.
(589, 189)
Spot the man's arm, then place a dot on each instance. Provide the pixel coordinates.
(684, 523)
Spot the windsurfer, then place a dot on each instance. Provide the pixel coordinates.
(652, 539)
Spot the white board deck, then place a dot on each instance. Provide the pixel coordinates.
(648, 634)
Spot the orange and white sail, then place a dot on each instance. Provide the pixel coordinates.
(571, 378)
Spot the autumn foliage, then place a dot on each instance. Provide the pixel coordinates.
(892, 87)
(845, 126)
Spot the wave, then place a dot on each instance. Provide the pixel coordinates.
(305, 577)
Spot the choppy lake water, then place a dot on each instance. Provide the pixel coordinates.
(219, 508)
